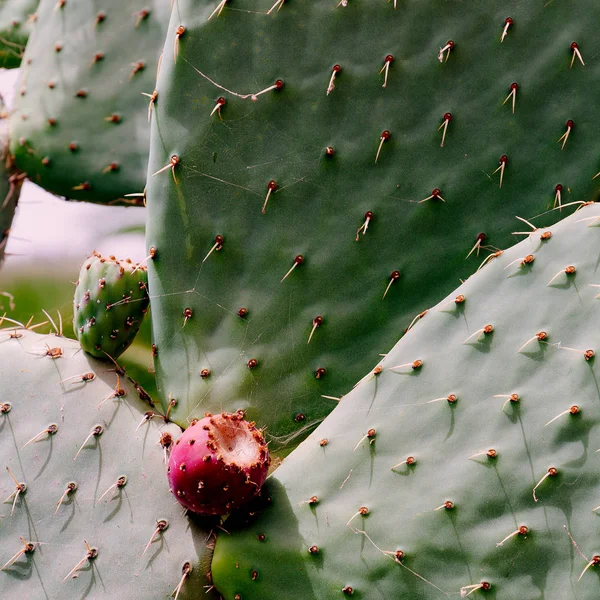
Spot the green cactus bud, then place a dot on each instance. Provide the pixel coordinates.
(111, 300)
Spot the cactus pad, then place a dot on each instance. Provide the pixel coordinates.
(11, 182)
(465, 464)
(16, 21)
(301, 142)
(89, 498)
(79, 128)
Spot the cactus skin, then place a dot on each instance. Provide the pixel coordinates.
(451, 548)
(16, 22)
(321, 199)
(79, 126)
(218, 464)
(11, 182)
(110, 303)
(120, 524)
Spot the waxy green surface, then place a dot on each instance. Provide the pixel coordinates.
(17, 18)
(449, 551)
(227, 159)
(80, 122)
(42, 384)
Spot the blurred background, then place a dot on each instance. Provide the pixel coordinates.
(50, 238)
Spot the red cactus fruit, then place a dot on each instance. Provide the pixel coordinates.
(218, 464)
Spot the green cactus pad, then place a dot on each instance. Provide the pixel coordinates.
(111, 300)
(80, 125)
(53, 398)
(472, 453)
(16, 22)
(320, 150)
(11, 182)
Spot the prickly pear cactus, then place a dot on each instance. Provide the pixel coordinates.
(87, 508)
(306, 210)
(463, 465)
(80, 124)
(11, 182)
(17, 18)
(110, 303)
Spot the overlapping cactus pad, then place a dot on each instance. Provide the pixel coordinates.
(80, 127)
(355, 143)
(87, 510)
(467, 466)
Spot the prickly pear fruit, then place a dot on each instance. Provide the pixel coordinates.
(218, 464)
(111, 299)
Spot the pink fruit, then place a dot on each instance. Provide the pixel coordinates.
(218, 464)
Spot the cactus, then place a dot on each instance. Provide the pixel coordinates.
(16, 21)
(79, 126)
(320, 173)
(465, 462)
(11, 182)
(111, 300)
(83, 481)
